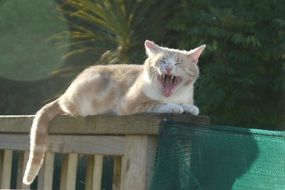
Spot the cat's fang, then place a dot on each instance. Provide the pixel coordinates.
(173, 81)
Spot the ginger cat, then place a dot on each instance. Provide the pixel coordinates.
(163, 84)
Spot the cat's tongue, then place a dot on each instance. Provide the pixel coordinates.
(167, 87)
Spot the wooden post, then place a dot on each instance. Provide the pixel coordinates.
(131, 138)
(1, 165)
(68, 172)
(138, 161)
(94, 173)
(117, 172)
(46, 173)
(6, 169)
(23, 158)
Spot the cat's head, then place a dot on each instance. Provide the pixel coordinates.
(171, 68)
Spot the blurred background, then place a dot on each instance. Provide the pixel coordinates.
(45, 44)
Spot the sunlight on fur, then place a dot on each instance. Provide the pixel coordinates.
(163, 84)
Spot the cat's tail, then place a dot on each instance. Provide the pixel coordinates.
(38, 138)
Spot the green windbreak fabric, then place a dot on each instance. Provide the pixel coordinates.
(218, 158)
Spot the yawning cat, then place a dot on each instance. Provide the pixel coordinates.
(163, 84)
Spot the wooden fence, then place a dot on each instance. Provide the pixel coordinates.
(130, 139)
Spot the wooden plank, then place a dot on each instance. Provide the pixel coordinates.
(1, 165)
(46, 173)
(94, 173)
(16, 123)
(97, 175)
(105, 145)
(87, 144)
(89, 173)
(68, 172)
(22, 161)
(137, 162)
(20, 169)
(6, 169)
(100, 124)
(117, 173)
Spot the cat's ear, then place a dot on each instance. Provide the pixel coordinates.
(151, 48)
(194, 54)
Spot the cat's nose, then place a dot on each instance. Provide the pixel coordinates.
(168, 70)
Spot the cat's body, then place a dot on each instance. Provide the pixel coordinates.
(164, 84)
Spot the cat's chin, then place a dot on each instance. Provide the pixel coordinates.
(169, 83)
(167, 94)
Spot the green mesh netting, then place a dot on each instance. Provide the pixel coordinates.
(218, 158)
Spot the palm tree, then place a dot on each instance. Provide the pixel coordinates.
(114, 30)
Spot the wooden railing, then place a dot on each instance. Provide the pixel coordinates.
(131, 140)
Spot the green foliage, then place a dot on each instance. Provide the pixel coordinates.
(26, 53)
(242, 70)
(119, 26)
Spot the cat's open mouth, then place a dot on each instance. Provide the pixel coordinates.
(169, 82)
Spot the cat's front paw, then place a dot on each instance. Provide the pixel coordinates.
(170, 108)
(190, 109)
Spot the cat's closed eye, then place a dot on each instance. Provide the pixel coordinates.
(177, 63)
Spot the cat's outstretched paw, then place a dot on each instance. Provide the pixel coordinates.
(170, 108)
(190, 109)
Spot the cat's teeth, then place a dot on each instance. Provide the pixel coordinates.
(172, 78)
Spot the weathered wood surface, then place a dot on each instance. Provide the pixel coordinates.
(85, 144)
(22, 161)
(6, 169)
(46, 173)
(137, 162)
(1, 166)
(100, 124)
(117, 171)
(132, 139)
(94, 172)
(68, 172)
